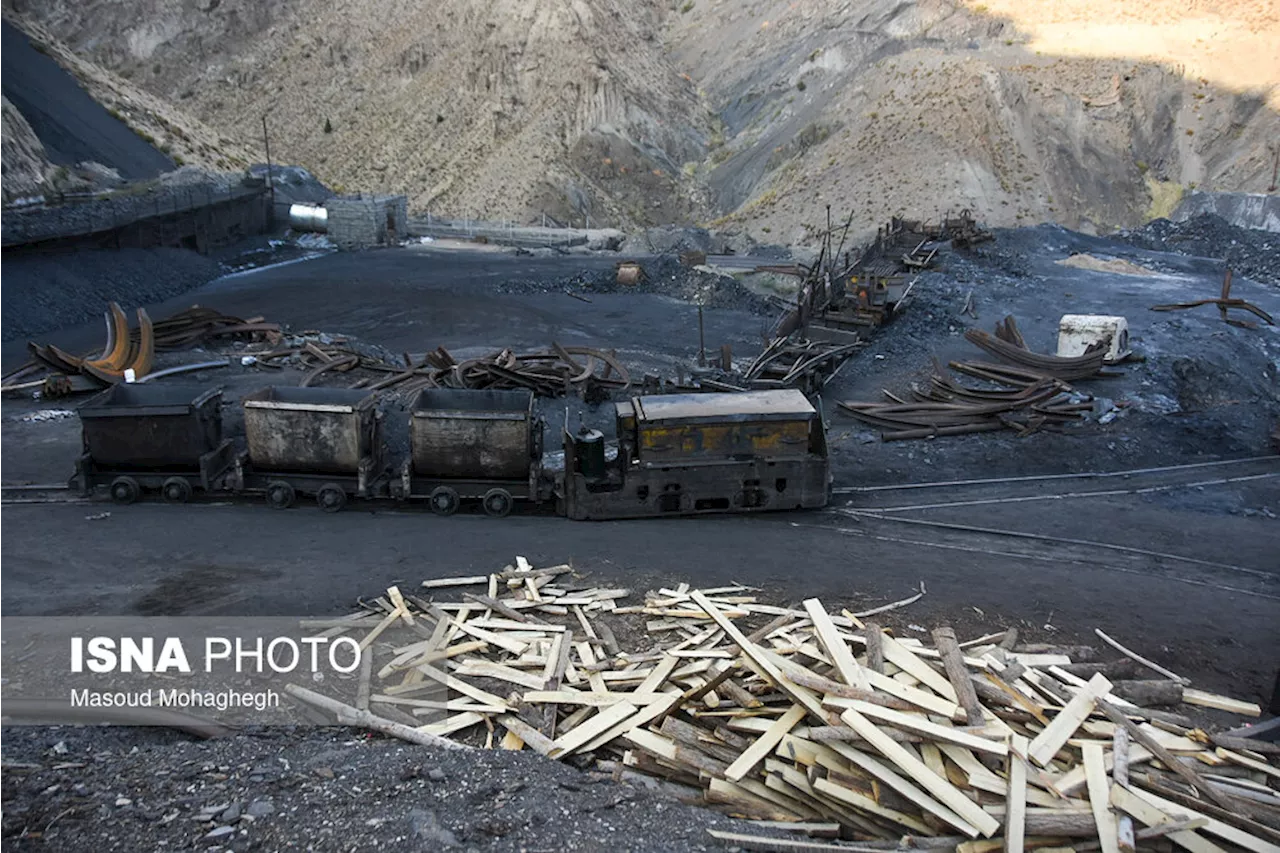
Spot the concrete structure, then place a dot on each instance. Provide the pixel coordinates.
(361, 222)
(196, 217)
(1246, 210)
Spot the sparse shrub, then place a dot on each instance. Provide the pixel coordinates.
(1190, 132)
(687, 7)
(178, 161)
(800, 85)
(328, 126)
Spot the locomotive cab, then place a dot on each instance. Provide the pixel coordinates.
(685, 454)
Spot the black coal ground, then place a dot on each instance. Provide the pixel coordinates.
(70, 788)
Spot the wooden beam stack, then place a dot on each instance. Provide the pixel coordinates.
(779, 714)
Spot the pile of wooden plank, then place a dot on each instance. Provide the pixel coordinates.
(816, 720)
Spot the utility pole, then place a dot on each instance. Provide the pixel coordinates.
(266, 144)
(1275, 169)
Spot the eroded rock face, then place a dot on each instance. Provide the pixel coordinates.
(23, 162)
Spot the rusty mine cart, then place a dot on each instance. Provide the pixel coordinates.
(686, 454)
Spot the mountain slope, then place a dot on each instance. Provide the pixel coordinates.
(893, 107)
(754, 114)
(504, 109)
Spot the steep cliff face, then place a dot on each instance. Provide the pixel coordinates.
(22, 158)
(506, 108)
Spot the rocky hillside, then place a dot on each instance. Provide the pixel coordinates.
(500, 109)
(916, 107)
(754, 114)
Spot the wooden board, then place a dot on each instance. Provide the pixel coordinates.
(764, 744)
(1100, 798)
(950, 796)
(1055, 735)
(1016, 797)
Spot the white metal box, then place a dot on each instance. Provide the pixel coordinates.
(1078, 332)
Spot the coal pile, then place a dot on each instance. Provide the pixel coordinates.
(663, 275)
(1251, 253)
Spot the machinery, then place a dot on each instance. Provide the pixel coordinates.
(685, 454)
(681, 454)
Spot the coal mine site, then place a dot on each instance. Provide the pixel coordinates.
(648, 499)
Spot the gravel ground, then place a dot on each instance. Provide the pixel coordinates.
(321, 789)
(1251, 253)
(52, 291)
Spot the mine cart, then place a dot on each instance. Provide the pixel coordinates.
(687, 454)
(484, 445)
(325, 442)
(162, 437)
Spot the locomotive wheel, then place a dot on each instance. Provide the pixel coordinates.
(176, 490)
(125, 490)
(497, 502)
(280, 495)
(331, 497)
(444, 501)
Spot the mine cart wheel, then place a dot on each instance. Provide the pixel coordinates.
(176, 490)
(444, 501)
(497, 502)
(280, 495)
(125, 490)
(331, 497)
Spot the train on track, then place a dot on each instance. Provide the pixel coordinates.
(681, 454)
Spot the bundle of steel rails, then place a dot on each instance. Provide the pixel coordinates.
(788, 363)
(548, 373)
(129, 354)
(1076, 367)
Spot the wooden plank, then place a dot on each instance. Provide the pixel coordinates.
(835, 647)
(582, 697)
(864, 803)
(1221, 703)
(958, 674)
(532, 738)
(874, 767)
(459, 685)
(903, 658)
(1190, 776)
(920, 698)
(488, 669)
(453, 724)
(1126, 800)
(437, 583)
(915, 723)
(1100, 798)
(1222, 830)
(1245, 761)
(1125, 839)
(570, 741)
(950, 796)
(1016, 797)
(875, 649)
(1055, 735)
(764, 744)
(644, 716)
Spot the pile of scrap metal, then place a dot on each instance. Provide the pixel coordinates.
(806, 365)
(129, 354)
(1036, 392)
(555, 372)
(947, 408)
